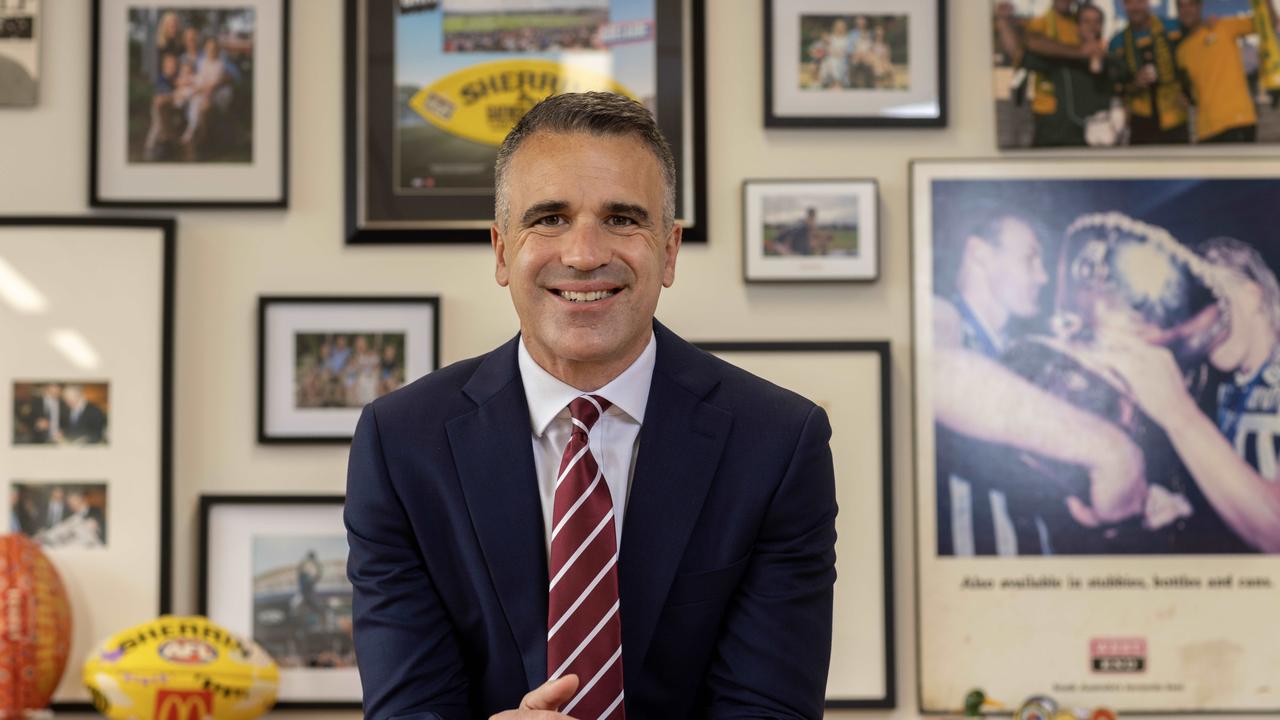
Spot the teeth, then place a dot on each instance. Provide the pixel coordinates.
(583, 297)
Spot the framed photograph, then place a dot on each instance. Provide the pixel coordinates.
(855, 63)
(322, 359)
(86, 434)
(433, 88)
(1070, 74)
(1097, 403)
(850, 380)
(274, 568)
(810, 230)
(19, 52)
(190, 104)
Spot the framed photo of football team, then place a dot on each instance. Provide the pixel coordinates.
(190, 104)
(86, 431)
(273, 568)
(850, 381)
(434, 87)
(810, 230)
(855, 63)
(1097, 365)
(322, 359)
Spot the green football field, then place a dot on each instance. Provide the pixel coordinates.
(491, 22)
(424, 145)
(845, 241)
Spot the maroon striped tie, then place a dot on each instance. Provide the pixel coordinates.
(584, 630)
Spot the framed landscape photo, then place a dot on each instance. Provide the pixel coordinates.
(810, 230)
(274, 568)
(20, 28)
(190, 104)
(1172, 74)
(322, 359)
(433, 87)
(855, 63)
(1097, 386)
(87, 422)
(850, 381)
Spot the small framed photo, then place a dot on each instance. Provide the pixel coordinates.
(274, 568)
(810, 230)
(855, 63)
(19, 52)
(61, 412)
(322, 359)
(190, 103)
(60, 514)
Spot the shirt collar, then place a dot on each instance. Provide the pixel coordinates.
(547, 395)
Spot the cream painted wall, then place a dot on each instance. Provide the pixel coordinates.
(226, 259)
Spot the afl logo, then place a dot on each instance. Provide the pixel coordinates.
(188, 652)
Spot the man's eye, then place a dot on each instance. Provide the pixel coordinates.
(550, 221)
(620, 221)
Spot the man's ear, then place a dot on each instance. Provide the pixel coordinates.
(977, 248)
(672, 248)
(501, 273)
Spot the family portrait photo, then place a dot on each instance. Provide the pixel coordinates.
(190, 85)
(302, 600)
(1108, 73)
(1126, 336)
(347, 370)
(60, 413)
(59, 515)
(854, 52)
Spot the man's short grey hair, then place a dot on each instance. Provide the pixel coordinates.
(593, 113)
(1245, 259)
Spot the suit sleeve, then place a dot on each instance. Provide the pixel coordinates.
(775, 644)
(409, 658)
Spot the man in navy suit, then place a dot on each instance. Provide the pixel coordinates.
(596, 519)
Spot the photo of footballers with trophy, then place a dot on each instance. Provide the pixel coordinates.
(1097, 431)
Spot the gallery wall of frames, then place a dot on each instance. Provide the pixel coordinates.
(990, 238)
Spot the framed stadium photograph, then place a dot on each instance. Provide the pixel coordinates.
(322, 359)
(434, 86)
(1112, 74)
(190, 104)
(274, 568)
(86, 433)
(850, 381)
(1097, 375)
(810, 230)
(855, 63)
(20, 28)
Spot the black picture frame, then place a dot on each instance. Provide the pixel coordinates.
(774, 120)
(808, 269)
(164, 412)
(207, 505)
(475, 230)
(265, 305)
(882, 351)
(97, 193)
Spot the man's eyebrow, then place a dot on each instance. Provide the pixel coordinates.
(625, 208)
(546, 207)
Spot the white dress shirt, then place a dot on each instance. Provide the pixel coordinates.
(614, 440)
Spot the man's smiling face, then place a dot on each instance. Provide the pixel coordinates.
(585, 251)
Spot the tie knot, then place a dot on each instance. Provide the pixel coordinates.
(587, 409)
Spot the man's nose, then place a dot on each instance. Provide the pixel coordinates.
(586, 247)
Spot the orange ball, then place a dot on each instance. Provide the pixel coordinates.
(35, 626)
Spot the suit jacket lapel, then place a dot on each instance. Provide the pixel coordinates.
(680, 447)
(494, 456)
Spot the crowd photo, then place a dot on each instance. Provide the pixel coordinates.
(523, 26)
(191, 85)
(1136, 72)
(346, 370)
(854, 52)
(1126, 337)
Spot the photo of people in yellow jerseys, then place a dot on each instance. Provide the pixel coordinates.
(1106, 73)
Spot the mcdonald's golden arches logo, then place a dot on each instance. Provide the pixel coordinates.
(184, 704)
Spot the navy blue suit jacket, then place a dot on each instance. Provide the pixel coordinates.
(726, 566)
